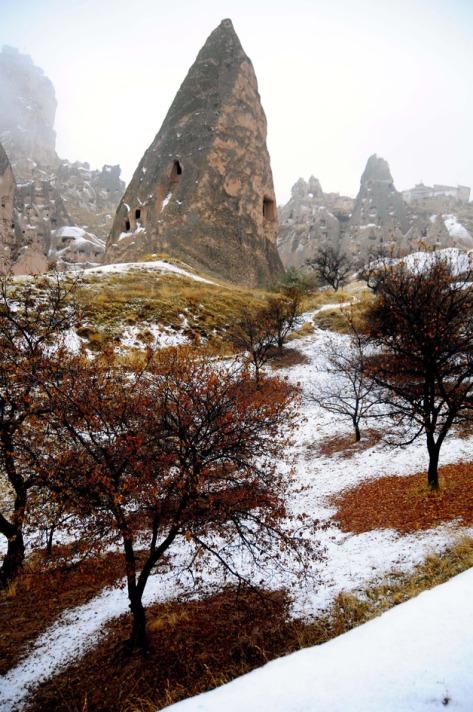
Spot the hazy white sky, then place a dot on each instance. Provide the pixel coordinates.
(339, 79)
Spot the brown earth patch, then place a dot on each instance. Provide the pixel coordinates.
(199, 645)
(406, 504)
(288, 357)
(42, 592)
(345, 444)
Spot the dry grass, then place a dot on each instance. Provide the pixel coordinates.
(112, 302)
(406, 504)
(345, 445)
(199, 645)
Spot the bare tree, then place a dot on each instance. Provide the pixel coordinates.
(349, 391)
(421, 331)
(332, 265)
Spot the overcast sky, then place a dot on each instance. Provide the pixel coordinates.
(339, 79)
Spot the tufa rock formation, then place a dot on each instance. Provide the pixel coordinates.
(380, 216)
(90, 196)
(27, 113)
(7, 198)
(311, 219)
(51, 194)
(203, 190)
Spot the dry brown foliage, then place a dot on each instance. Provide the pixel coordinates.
(199, 645)
(41, 593)
(345, 445)
(404, 504)
(287, 358)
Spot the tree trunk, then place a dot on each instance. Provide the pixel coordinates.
(357, 433)
(13, 559)
(139, 638)
(433, 471)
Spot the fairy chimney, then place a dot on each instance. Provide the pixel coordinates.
(203, 190)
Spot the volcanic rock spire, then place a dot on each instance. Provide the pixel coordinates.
(203, 190)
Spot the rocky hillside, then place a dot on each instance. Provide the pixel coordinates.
(203, 191)
(311, 218)
(51, 194)
(27, 113)
(377, 221)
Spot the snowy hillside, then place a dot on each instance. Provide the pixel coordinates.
(417, 657)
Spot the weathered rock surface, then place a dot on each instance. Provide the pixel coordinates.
(90, 196)
(310, 220)
(379, 221)
(74, 247)
(51, 194)
(203, 191)
(7, 198)
(380, 216)
(27, 112)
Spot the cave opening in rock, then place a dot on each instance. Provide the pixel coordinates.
(269, 209)
(176, 172)
(127, 225)
(137, 213)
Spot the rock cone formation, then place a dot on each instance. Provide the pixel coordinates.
(203, 190)
(380, 215)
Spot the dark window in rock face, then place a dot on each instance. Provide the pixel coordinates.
(127, 225)
(176, 172)
(137, 213)
(269, 209)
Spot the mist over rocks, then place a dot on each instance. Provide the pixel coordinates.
(27, 114)
(203, 190)
(50, 193)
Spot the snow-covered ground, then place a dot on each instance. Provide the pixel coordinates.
(154, 266)
(417, 657)
(351, 561)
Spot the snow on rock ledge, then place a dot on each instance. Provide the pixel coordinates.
(416, 657)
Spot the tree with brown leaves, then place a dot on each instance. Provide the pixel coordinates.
(34, 316)
(256, 334)
(184, 450)
(421, 326)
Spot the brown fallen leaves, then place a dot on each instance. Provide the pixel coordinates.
(405, 504)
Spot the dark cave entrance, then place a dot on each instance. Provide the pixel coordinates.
(137, 214)
(269, 209)
(127, 226)
(176, 172)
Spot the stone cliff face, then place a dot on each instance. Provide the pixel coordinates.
(7, 197)
(51, 194)
(27, 112)
(203, 191)
(90, 196)
(310, 220)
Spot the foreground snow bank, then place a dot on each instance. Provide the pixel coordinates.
(414, 658)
